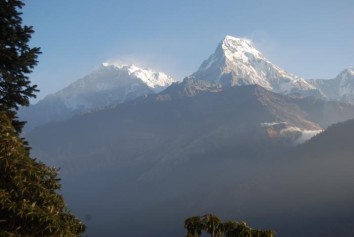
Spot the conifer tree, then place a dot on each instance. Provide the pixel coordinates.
(17, 59)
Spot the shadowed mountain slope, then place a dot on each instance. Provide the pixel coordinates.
(190, 149)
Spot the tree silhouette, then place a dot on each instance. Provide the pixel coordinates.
(212, 225)
(231, 229)
(194, 226)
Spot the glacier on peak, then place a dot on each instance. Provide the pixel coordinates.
(237, 62)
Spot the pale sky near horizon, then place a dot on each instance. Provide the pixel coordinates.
(309, 38)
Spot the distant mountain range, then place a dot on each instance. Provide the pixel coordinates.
(235, 62)
(137, 148)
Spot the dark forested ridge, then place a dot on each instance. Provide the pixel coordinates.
(153, 130)
(320, 173)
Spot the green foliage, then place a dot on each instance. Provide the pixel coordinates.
(17, 59)
(212, 225)
(29, 202)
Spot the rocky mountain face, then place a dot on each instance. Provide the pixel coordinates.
(340, 88)
(171, 119)
(107, 86)
(180, 124)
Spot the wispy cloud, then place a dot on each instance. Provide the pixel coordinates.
(286, 131)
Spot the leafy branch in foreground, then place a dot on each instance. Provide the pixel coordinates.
(29, 202)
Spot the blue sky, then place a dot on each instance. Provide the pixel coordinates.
(312, 39)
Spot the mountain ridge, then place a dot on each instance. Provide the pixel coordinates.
(235, 62)
(340, 88)
(105, 87)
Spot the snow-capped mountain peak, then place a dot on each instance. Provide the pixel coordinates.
(118, 82)
(237, 62)
(106, 86)
(149, 77)
(239, 49)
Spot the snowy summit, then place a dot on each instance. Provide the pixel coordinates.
(237, 62)
(151, 78)
(107, 86)
(112, 84)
